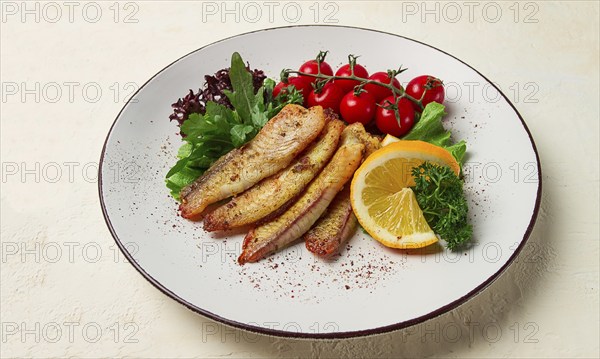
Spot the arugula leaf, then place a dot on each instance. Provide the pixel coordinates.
(243, 98)
(212, 124)
(430, 129)
(220, 129)
(269, 86)
(440, 195)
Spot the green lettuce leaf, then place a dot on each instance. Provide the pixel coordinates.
(429, 128)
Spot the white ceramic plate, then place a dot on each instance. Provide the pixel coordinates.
(369, 288)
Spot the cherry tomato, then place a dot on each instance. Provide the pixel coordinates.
(330, 97)
(348, 85)
(277, 89)
(432, 86)
(299, 83)
(359, 108)
(379, 92)
(386, 119)
(312, 67)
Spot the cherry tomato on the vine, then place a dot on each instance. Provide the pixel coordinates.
(299, 83)
(431, 86)
(380, 92)
(359, 108)
(348, 85)
(312, 67)
(329, 97)
(386, 119)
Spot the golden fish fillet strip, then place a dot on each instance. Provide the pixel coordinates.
(274, 148)
(333, 228)
(293, 223)
(338, 223)
(273, 192)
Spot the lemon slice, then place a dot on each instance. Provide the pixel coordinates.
(381, 198)
(389, 139)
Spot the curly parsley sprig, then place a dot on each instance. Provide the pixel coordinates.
(440, 195)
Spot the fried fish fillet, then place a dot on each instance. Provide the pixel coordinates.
(273, 192)
(274, 147)
(338, 223)
(333, 228)
(294, 222)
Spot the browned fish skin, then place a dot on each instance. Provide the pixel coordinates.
(274, 147)
(298, 219)
(274, 192)
(338, 223)
(333, 228)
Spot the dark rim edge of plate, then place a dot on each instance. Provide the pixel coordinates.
(334, 335)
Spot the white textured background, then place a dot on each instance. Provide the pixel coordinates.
(66, 291)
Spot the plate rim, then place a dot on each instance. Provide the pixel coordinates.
(334, 335)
